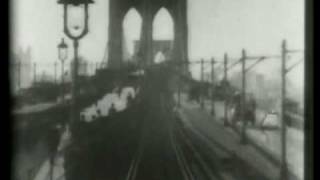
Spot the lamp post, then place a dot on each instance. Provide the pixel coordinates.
(63, 55)
(75, 34)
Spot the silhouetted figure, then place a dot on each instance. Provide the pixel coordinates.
(195, 93)
(53, 139)
(250, 110)
(237, 107)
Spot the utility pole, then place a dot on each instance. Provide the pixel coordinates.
(202, 84)
(284, 167)
(225, 122)
(179, 92)
(179, 85)
(55, 72)
(34, 73)
(19, 75)
(212, 89)
(243, 99)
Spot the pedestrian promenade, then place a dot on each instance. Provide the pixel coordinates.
(268, 140)
(263, 150)
(33, 108)
(56, 170)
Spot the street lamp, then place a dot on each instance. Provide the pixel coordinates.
(63, 55)
(75, 29)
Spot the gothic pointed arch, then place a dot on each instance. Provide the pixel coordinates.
(163, 25)
(163, 34)
(132, 24)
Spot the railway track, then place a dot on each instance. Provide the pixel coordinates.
(134, 166)
(195, 156)
(182, 161)
(184, 165)
(216, 161)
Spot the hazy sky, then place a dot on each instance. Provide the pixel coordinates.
(215, 27)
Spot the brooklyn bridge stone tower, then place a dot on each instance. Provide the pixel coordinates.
(147, 9)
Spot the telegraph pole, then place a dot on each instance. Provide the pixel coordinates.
(284, 167)
(19, 75)
(201, 84)
(34, 73)
(179, 93)
(179, 87)
(212, 89)
(225, 122)
(55, 72)
(243, 99)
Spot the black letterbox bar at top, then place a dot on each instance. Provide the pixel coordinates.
(75, 2)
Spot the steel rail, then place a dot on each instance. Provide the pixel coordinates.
(186, 171)
(132, 173)
(208, 170)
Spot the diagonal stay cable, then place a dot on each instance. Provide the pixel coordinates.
(293, 66)
(257, 62)
(234, 64)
